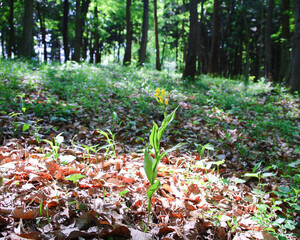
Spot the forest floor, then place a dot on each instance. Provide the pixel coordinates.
(72, 140)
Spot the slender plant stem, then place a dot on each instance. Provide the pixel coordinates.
(149, 210)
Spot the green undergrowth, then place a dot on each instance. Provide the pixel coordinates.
(71, 89)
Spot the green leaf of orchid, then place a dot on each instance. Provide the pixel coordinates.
(153, 188)
(148, 162)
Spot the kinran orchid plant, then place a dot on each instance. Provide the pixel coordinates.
(150, 163)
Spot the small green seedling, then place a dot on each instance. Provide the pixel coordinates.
(259, 175)
(202, 148)
(75, 177)
(123, 193)
(111, 141)
(58, 140)
(218, 163)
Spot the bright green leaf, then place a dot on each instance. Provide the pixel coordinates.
(153, 188)
(148, 162)
(75, 177)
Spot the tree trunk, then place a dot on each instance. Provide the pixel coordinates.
(92, 46)
(268, 43)
(203, 54)
(295, 71)
(224, 37)
(55, 47)
(65, 30)
(143, 48)
(11, 42)
(285, 24)
(158, 66)
(85, 46)
(184, 48)
(127, 56)
(27, 39)
(43, 31)
(191, 59)
(97, 50)
(246, 26)
(81, 11)
(213, 61)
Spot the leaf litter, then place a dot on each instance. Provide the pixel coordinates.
(86, 192)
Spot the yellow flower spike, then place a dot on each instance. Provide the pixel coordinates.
(163, 92)
(156, 95)
(166, 102)
(161, 99)
(157, 91)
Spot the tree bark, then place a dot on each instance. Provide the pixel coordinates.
(191, 59)
(268, 42)
(65, 27)
(246, 26)
(158, 65)
(295, 71)
(213, 61)
(285, 24)
(127, 56)
(43, 31)
(143, 48)
(27, 39)
(92, 46)
(224, 37)
(11, 42)
(81, 11)
(97, 48)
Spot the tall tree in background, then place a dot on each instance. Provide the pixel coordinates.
(127, 56)
(143, 48)
(213, 61)
(43, 30)
(295, 78)
(11, 42)
(191, 58)
(97, 47)
(247, 30)
(285, 36)
(268, 42)
(27, 40)
(158, 65)
(82, 7)
(65, 30)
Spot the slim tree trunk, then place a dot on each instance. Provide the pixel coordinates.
(295, 71)
(97, 48)
(246, 25)
(65, 27)
(127, 56)
(191, 59)
(158, 65)
(143, 48)
(27, 40)
(285, 24)
(43, 30)
(184, 48)
(92, 46)
(224, 38)
(213, 61)
(81, 11)
(268, 43)
(11, 42)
